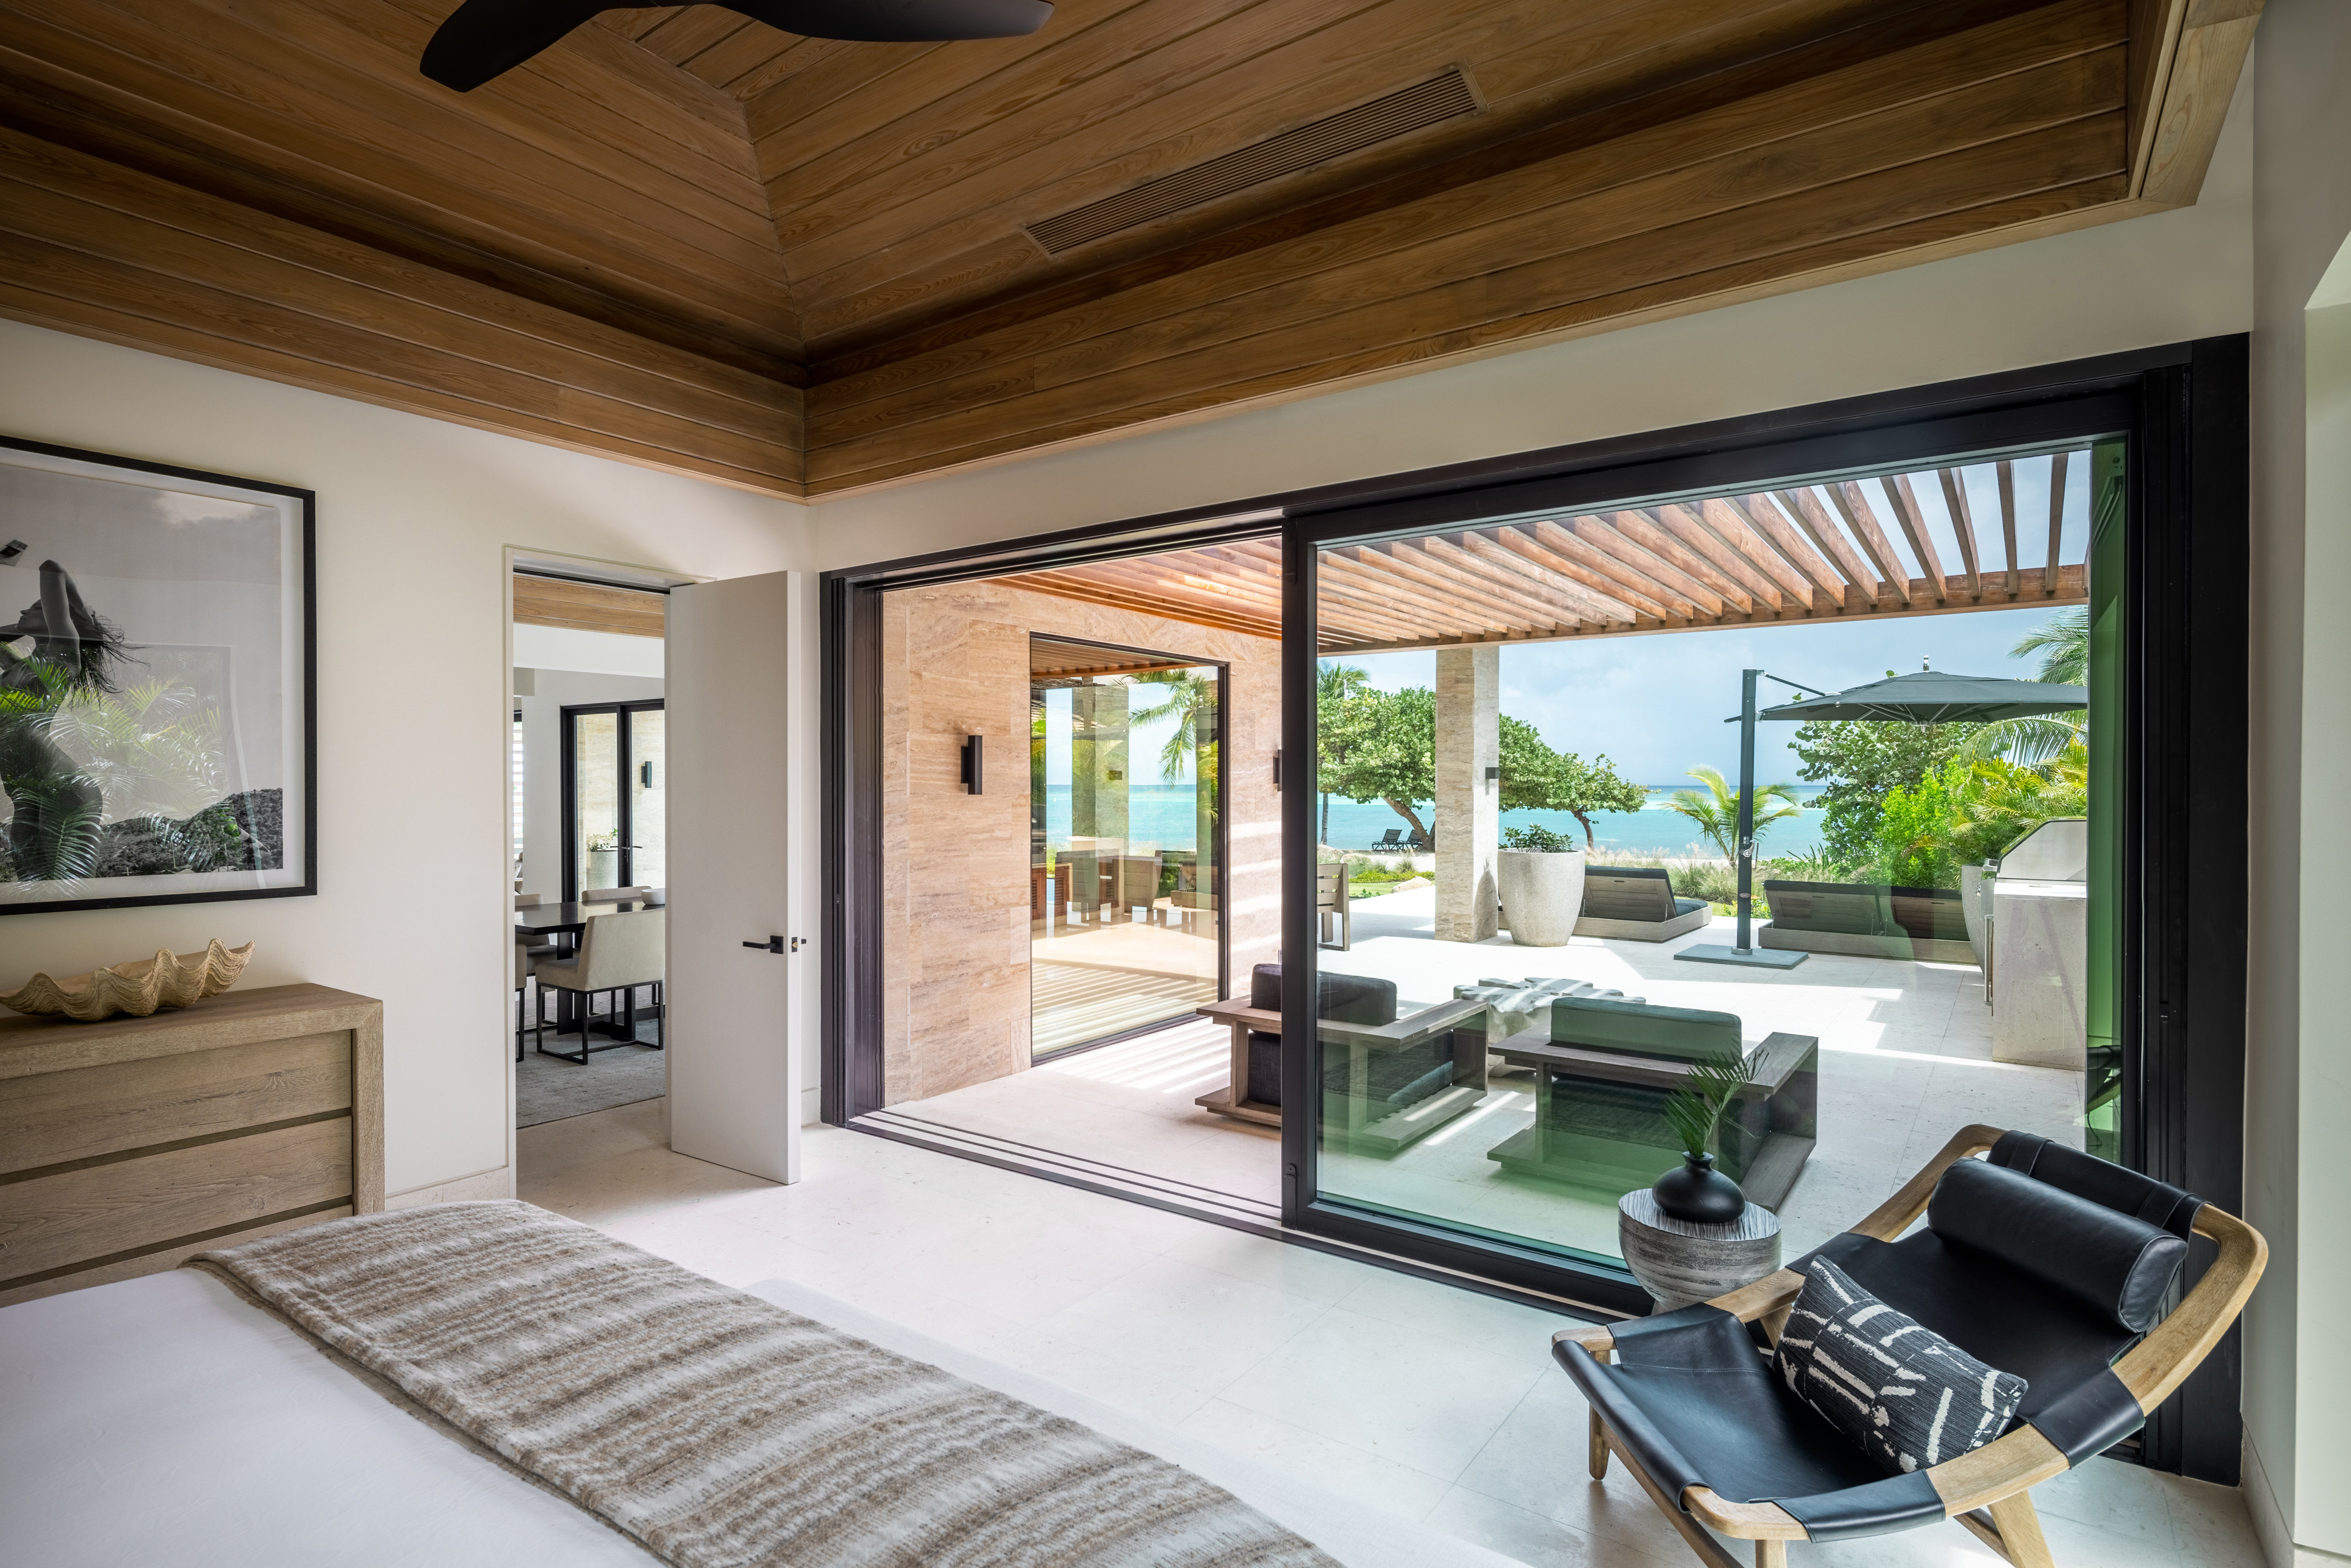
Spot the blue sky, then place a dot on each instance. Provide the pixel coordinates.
(1656, 704)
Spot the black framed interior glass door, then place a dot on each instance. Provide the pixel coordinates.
(615, 819)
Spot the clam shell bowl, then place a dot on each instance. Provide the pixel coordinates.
(138, 987)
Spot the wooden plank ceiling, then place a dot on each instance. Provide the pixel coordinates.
(1933, 542)
(682, 238)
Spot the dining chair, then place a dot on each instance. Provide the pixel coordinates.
(528, 951)
(617, 954)
(529, 900)
(615, 894)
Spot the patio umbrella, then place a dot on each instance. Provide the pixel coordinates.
(1930, 696)
(1923, 696)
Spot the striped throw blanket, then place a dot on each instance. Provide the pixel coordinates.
(715, 1427)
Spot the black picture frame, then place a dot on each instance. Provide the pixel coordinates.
(306, 661)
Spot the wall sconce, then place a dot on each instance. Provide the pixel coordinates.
(1276, 770)
(1493, 776)
(645, 774)
(971, 758)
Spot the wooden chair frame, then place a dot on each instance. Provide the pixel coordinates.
(1988, 1492)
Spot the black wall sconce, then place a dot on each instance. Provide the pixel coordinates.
(1493, 776)
(1277, 771)
(971, 757)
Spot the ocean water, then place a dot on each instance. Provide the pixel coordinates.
(1162, 816)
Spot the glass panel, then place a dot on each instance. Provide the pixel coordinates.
(1123, 883)
(596, 798)
(1525, 768)
(648, 791)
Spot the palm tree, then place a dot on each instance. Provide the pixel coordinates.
(1716, 811)
(1191, 701)
(1333, 683)
(2063, 643)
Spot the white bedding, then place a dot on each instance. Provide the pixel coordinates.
(165, 1422)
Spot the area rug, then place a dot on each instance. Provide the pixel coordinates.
(716, 1428)
(546, 1090)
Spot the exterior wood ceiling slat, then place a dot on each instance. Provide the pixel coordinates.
(1862, 523)
(1903, 502)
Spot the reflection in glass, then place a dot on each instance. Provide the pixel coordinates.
(1520, 766)
(1123, 877)
(648, 812)
(596, 798)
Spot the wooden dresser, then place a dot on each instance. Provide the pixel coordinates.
(129, 1146)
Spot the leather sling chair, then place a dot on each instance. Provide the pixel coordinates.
(2050, 1268)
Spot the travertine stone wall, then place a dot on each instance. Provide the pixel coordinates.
(956, 865)
(1468, 804)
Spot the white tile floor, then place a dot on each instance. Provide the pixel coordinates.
(1435, 1403)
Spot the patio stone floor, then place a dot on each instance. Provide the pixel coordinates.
(1906, 1061)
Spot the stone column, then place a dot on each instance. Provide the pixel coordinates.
(1098, 726)
(1468, 803)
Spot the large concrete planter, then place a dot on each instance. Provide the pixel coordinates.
(1541, 896)
(1975, 900)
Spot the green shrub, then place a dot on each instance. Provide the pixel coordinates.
(1533, 836)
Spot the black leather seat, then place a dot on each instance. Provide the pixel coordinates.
(2039, 1260)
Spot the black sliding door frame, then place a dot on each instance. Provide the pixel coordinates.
(2182, 410)
(625, 811)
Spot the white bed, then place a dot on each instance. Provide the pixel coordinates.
(167, 1422)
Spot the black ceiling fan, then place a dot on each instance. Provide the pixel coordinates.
(486, 38)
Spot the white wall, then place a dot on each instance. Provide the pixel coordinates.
(542, 762)
(413, 519)
(2297, 1368)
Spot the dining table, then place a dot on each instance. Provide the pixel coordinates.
(569, 920)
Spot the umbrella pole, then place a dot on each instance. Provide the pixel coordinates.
(1745, 953)
(1746, 810)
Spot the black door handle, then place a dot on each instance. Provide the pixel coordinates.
(772, 945)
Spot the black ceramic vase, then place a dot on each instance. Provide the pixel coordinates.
(1697, 1194)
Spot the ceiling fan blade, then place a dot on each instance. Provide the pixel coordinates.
(899, 21)
(486, 38)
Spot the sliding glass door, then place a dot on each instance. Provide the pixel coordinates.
(615, 821)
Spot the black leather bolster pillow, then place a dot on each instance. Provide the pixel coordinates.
(2118, 1266)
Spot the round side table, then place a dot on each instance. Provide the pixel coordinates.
(1681, 1264)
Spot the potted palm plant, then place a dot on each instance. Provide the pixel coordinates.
(1540, 875)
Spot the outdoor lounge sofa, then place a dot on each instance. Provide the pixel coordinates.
(1635, 903)
(1386, 1080)
(1868, 920)
(1603, 1078)
(2040, 1261)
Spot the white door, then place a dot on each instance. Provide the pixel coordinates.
(734, 1080)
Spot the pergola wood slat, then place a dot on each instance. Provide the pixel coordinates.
(1236, 597)
(2007, 522)
(1822, 529)
(1570, 608)
(1646, 530)
(1767, 522)
(1903, 502)
(1728, 558)
(1963, 525)
(1610, 590)
(2056, 517)
(1663, 602)
(1423, 600)
(1408, 561)
(1854, 507)
(1604, 534)
(1596, 607)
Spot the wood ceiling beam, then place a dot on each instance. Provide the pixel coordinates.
(1059, 587)
(1453, 602)
(2056, 518)
(1692, 597)
(1379, 599)
(589, 606)
(1568, 607)
(1418, 601)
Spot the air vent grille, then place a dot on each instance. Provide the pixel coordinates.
(1350, 131)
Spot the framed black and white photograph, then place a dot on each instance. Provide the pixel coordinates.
(156, 685)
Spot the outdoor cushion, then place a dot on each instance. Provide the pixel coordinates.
(1345, 998)
(2125, 1191)
(1632, 893)
(2118, 1266)
(1901, 1393)
(1693, 1402)
(1637, 1029)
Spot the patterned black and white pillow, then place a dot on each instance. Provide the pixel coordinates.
(1907, 1397)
